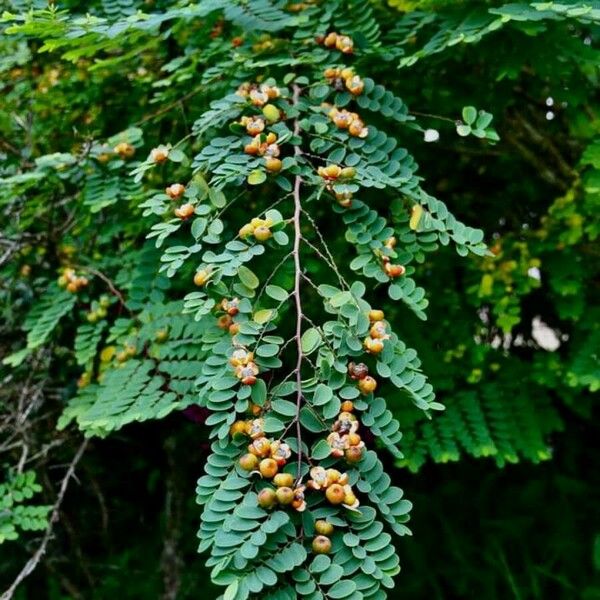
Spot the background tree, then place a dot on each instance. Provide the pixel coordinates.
(510, 344)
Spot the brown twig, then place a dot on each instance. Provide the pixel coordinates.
(296, 292)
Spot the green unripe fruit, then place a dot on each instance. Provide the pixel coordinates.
(322, 527)
(271, 113)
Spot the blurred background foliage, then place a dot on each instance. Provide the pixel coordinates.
(511, 342)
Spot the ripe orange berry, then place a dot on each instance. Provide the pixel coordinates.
(376, 315)
(367, 385)
(355, 85)
(322, 527)
(267, 498)
(347, 406)
(394, 270)
(373, 346)
(335, 493)
(268, 468)
(285, 495)
(224, 322)
(321, 545)
(354, 439)
(249, 462)
(234, 328)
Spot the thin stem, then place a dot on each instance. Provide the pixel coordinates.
(296, 292)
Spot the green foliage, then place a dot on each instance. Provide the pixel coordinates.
(15, 515)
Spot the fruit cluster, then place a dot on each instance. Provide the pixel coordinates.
(377, 334)
(344, 78)
(335, 485)
(332, 40)
(258, 95)
(391, 270)
(259, 228)
(98, 311)
(246, 369)
(230, 308)
(284, 494)
(332, 173)
(71, 281)
(344, 119)
(343, 439)
(265, 145)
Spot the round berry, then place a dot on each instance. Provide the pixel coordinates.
(268, 468)
(267, 498)
(335, 493)
(249, 462)
(321, 545)
(322, 527)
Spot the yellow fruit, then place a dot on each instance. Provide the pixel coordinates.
(322, 527)
(353, 455)
(246, 231)
(201, 277)
(271, 113)
(239, 427)
(273, 164)
(373, 346)
(267, 498)
(321, 545)
(262, 234)
(283, 480)
(335, 493)
(249, 462)
(376, 315)
(367, 385)
(285, 495)
(268, 468)
(415, 216)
